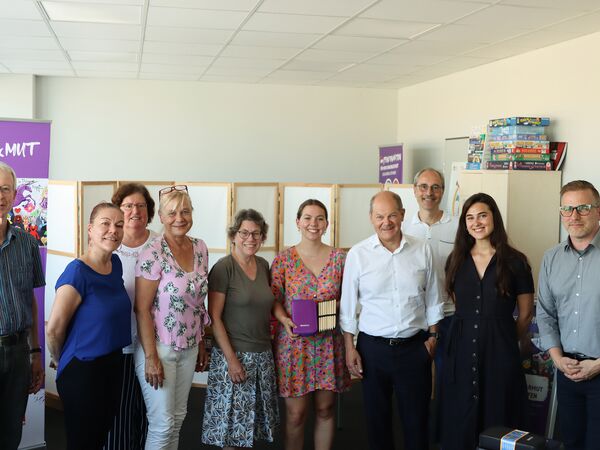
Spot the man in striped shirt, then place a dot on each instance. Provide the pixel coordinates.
(21, 369)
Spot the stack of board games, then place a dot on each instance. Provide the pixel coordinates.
(475, 155)
(518, 143)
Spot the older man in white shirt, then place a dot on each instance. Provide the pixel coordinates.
(391, 299)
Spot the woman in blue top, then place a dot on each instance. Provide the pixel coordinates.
(88, 327)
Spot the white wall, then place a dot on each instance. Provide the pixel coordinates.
(153, 130)
(561, 82)
(17, 93)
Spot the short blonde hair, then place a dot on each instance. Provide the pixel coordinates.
(175, 198)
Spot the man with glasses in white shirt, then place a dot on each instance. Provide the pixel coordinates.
(438, 228)
(568, 315)
(391, 300)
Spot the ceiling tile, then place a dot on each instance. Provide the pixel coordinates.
(357, 44)
(105, 74)
(422, 10)
(36, 28)
(388, 70)
(408, 59)
(11, 9)
(472, 33)
(182, 48)
(542, 38)
(298, 75)
(3, 68)
(189, 35)
(238, 71)
(384, 28)
(571, 5)
(331, 55)
(589, 23)
(513, 16)
(197, 18)
(163, 58)
(256, 63)
(105, 66)
(292, 23)
(425, 47)
(76, 55)
(172, 68)
(357, 75)
(345, 8)
(230, 79)
(22, 66)
(272, 39)
(96, 30)
(99, 45)
(463, 62)
(32, 55)
(343, 84)
(228, 5)
(168, 76)
(504, 49)
(93, 12)
(38, 43)
(244, 51)
(317, 66)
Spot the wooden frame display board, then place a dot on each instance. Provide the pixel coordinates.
(153, 187)
(264, 198)
(352, 215)
(291, 195)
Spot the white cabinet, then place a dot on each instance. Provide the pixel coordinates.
(529, 203)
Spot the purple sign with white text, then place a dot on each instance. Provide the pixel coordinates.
(390, 164)
(25, 146)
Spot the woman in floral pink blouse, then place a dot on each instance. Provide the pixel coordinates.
(171, 284)
(312, 366)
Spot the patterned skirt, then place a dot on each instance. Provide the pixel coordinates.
(237, 414)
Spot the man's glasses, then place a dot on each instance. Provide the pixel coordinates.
(582, 210)
(169, 189)
(425, 187)
(246, 234)
(129, 206)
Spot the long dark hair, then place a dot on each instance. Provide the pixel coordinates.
(464, 242)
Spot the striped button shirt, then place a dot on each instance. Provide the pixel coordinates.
(20, 272)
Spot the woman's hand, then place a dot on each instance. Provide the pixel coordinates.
(236, 371)
(153, 371)
(202, 360)
(288, 325)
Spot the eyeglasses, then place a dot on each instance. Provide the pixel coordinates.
(426, 187)
(582, 210)
(130, 206)
(169, 189)
(244, 234)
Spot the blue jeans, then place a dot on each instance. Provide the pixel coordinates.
(15, 378)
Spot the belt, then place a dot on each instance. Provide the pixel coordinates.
(578, 356)
(398, 341)
(13, 339)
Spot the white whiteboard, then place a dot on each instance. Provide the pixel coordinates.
(264, 199)
(211, 213)
(406, 193)
(291, 198)
(353, 223)
(92, 193)
(62, 216)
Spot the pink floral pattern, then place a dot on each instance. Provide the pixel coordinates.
(311, 363)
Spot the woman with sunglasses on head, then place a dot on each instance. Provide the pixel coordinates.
(130, 425)
(171, 284)
(484, 382)
(88, 327)
(241, 397)
(308, 366)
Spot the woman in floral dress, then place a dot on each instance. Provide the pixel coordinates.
(308, 366)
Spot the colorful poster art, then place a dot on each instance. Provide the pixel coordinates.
(30, 208)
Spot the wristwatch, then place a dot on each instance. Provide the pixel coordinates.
(434, 334)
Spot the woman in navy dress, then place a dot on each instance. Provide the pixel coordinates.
(483, 382)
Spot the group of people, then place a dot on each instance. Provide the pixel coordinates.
(126, 331)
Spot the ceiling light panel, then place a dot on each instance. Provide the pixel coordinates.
(292, 23)
(384, 28)
(196, 18)
(344, 8)
(93, 12)
(34, 28)
(271, 39)
(172, 48)
(422, 10)
(187, 35)
(96, 31)
(229, 5)
(243, 51)
(359, 44)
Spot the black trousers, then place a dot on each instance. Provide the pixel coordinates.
(90, 392)
(579, 412)
(403, 370)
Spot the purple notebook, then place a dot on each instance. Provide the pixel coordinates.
(304, 315)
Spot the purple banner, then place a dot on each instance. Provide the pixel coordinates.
(25, 146)
(390, 164)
